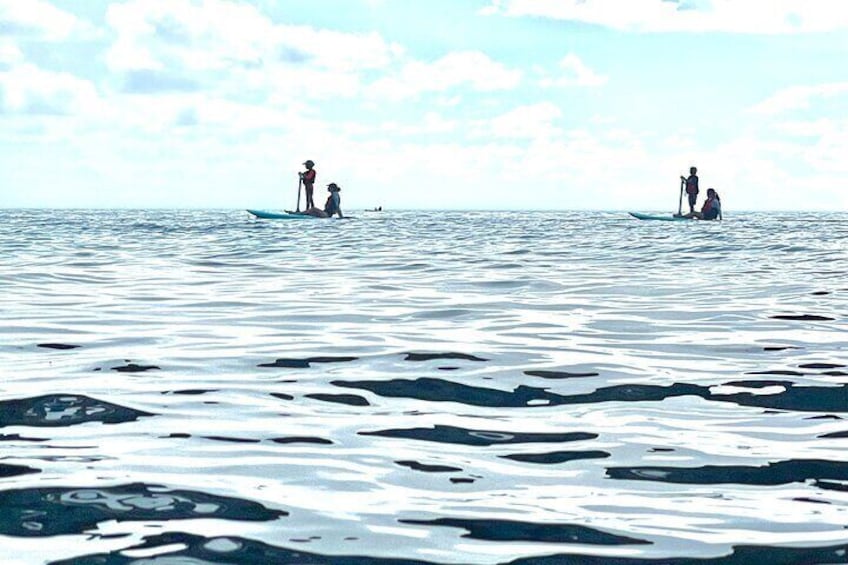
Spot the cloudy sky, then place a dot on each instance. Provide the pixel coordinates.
(458, 104)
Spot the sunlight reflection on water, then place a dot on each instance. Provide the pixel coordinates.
(460, 387)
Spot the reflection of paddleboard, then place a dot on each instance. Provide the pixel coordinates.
(670, 218)
(287, 215)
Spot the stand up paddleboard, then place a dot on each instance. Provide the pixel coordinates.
(664, 218)
(287, 215)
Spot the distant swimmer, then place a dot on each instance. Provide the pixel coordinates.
(691, 187)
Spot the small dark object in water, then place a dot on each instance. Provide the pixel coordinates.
(58, 346)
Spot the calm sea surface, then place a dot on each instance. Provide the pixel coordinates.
(191, 387)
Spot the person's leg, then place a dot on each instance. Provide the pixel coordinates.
(692, 199)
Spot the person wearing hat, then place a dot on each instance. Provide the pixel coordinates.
(334, 201)
(691, 187)
(308, 178)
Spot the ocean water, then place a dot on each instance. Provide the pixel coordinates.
(190, 387)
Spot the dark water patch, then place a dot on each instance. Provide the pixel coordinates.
(556, 457)
(820, 293)
(424, 468)
(559, 374)
(177, 547)
(661, 450)
(835, 435)
(784, 372)
(176, 436)
(803, 318)
(461, 480)
(511, 530)
(448, 368)
(188, 548)
(780, 473)
(134, 368)
(821, 366)
(830, 485)
(449, 355)
(287, 364)
(54, 410)
(462, 436)
(190, 391)
(232, 439)
(302, 439)
(60, 346)
(306, 363)
(824, 417)
(439, 390)
(349, 399)
(18, 437)
(740, 555)
(835, 373)
(759, 384)
(15, 470)
(779, 348)
(38, 512)
(799, 398)
(810, 500)
(282, 396)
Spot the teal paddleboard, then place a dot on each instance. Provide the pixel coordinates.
(664, 218)
(287, 215)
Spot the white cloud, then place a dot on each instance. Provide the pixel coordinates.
(469, 68)
(574, 72)
(431, 123)
(741, 16)
(219, 34)
(798, 97)
(37, 19)
(525, 122)
(26, 89)
(10, 53)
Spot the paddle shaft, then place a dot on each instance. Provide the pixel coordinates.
(299, 183)
(680, 202)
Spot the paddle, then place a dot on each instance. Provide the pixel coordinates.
(680, 202)
(299, 183)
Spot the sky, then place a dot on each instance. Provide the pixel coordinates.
(443, 104)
